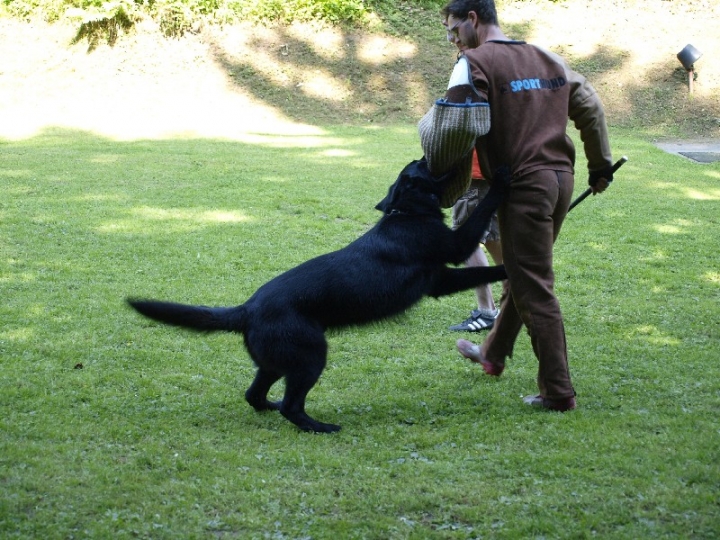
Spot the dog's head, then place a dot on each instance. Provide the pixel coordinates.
(415, 191)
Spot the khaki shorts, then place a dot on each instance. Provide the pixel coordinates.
(466, 204)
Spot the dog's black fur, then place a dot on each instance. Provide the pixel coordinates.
(388, 269)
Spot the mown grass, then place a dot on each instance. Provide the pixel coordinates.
(151, 437)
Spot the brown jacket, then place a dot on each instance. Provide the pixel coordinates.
(532, 92)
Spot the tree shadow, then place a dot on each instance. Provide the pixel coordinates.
(367, 78)
(377, 78)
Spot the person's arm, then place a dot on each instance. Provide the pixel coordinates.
(586, 111)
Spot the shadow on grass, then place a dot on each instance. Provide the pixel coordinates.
(153, 429)
(78, 207)
(215, 219)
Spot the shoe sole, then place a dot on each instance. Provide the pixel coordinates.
(538, 402)
(473, 353)
(468, 329)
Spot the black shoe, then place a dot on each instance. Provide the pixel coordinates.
(478, 320)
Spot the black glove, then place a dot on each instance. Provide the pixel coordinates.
(502, 175)
(605, 172)
(500, 184)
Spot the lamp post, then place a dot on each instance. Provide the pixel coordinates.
(688, 56)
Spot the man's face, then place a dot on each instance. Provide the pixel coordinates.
(461, 32)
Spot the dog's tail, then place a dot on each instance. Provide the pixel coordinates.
(201, 318)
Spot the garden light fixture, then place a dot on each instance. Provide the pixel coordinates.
(688, 56)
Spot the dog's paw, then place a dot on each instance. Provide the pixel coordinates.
(500, 185)
(502, 177)
(306, 423)
(264, 404)
(320, 427)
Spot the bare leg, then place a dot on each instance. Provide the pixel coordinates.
(484, 292)
(478, 258)
(494, 248)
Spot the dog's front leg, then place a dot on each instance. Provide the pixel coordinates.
(452, 280)
(467, 236)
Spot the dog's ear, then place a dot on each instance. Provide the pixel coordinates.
(395, 192)
(417, 169)
(415, 176)
(386, 204)
(382, 206)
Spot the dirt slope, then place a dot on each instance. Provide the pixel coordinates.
(249, 83)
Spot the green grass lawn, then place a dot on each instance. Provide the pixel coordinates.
(152, 438)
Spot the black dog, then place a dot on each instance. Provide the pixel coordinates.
(382, 273)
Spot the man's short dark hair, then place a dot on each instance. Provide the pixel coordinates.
(485, 10)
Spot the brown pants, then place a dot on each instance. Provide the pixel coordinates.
(530, 221)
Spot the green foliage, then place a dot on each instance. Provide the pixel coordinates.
(99, 20)
(408, 18)
(175, 17)
(106, 21)
(49, 10)
(333, 11)
(178, 16)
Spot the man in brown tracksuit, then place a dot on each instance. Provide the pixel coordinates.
(531, 94)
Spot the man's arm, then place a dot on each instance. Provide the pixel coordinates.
(586, 111)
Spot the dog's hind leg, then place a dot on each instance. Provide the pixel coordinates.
(298, 385)
(308, 364)
(256, 395)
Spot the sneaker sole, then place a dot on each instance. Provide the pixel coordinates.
(473, 353)
(469, 329)
(538, 402)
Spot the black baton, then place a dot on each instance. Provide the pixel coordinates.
(619, 163)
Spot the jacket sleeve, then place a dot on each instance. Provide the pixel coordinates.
(586, 111)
